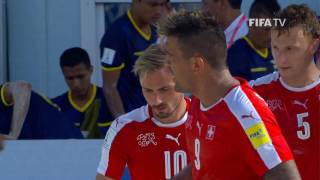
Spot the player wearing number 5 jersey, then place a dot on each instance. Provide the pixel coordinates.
(230, 132)
(150, 139)
(293, 93)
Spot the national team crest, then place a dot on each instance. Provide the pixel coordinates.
(275, 104)
(210, 132)
(145, 139)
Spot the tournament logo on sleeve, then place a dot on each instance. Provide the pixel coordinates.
(258, 135)
(108, 55)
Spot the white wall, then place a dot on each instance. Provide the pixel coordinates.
(51, 160)
(39, 30)
(2, 42)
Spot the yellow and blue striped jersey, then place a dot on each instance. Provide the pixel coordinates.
(44, 120)
(94, 118)
(245, 61)
(120, 47)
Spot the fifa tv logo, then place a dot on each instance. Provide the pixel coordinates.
(266, 22)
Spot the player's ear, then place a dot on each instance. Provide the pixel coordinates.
(315, 46)
(197, 63)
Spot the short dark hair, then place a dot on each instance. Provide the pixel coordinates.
(235, 4)
(73, 57)
(299, 15)
(197, 34)
(266, 8)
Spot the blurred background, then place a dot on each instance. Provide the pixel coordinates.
(34, 33)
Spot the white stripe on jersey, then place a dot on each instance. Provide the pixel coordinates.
(242, 108)
(267, 79)
(139, 115)
(268, 153)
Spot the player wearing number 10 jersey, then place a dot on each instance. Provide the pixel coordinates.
(293, 93)
(150, 139)
(151, 149)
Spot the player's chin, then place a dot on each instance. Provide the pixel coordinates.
(284, 71)
(162, 115)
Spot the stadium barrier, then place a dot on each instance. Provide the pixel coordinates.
(50, 160)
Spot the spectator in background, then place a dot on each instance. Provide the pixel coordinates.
(27, 115)
(293, 93)
(250, 57)
(120, 46)
(229, 16)
(84, 103)
(149, 139)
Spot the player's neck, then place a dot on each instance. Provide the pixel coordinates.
(215, 87)
(81, 100)
(229, 17)
(143, 26)
(303, 79)
(254, 41)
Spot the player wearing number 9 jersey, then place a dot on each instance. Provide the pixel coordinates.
(239, 133)
(293, 93)
(149, 140)
(230, 132)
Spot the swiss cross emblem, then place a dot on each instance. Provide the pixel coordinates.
(146, 139)
(210, 132)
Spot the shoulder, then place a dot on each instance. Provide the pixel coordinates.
(243, 100)
(265, 80)
(41, 101)
(60, 98)
(138, 115)
(248, 108)
(119, 26)
(120, 127)
(239, 47)
(240, 43)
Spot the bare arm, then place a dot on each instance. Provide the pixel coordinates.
(110, 81)
(101, 177)
(17, 93)
(184, 174)
(283, 171)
